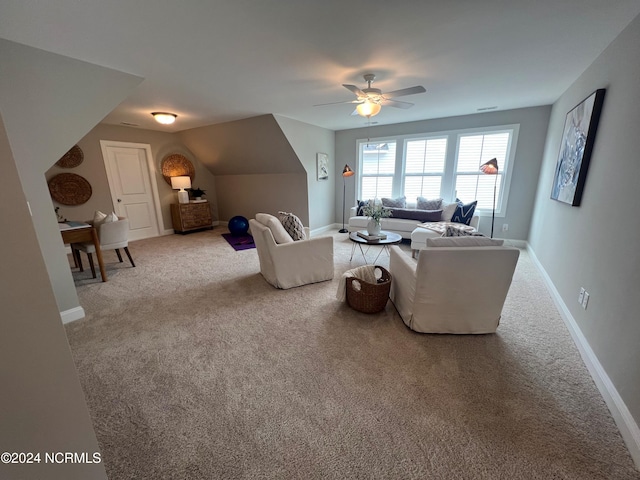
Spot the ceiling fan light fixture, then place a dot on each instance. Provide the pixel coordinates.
(368, 109)
(164, 118)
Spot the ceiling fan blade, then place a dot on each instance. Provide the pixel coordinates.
(405, 91)
(354, 89)
(337, 103)
(396, 103)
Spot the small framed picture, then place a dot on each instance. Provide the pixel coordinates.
(323, 166)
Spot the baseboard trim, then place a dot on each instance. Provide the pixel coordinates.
(72, 314)
(515, 243)
(622, 416)
(326, 228)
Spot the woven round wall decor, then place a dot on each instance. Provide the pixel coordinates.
(70, 189)
(72, 158)
(176, 165)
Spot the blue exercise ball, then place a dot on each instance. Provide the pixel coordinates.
(238, 225)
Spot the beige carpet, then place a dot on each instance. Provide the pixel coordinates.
(195, 368)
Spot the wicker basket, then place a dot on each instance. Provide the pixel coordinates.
(370, 297)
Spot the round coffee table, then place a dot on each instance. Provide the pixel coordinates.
(391, 239)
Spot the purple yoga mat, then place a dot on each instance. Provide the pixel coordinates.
(241, 242)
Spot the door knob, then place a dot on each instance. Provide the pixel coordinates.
(119, 200)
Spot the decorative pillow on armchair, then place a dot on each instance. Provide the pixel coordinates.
(400, 202)
(464, 212)
(293, 225)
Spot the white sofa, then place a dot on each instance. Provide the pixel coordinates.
(287, 263)
(401, 226)
(453, 289)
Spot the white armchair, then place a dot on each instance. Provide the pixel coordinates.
(452, 289)
(289, 264)
(112, 236)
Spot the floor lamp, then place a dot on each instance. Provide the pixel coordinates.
(346, 172)
(491, 168)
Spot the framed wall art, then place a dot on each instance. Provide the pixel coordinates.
(575, 149)
(322, 160)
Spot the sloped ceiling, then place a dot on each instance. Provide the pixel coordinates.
(50, 101)
(244, 147)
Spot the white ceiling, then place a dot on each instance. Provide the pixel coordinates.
(221, 60)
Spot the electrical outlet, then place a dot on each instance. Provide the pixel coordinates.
(585, 300)
(581, 296)
(505, 227)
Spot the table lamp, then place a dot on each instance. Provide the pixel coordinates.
(181, 183)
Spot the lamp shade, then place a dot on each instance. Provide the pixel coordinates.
(180, 183)
(164, 118)
(490, 168)
(368, 109)
(346, 171)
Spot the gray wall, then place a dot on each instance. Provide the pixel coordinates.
(247, 195)
(255, 166)
(93, 169)
(48, 103)
(307, 140)
(533, 128)
(595, 245)
(42, 403)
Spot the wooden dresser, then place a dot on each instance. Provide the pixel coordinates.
(191, 216)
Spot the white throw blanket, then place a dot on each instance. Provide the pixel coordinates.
(366, 273)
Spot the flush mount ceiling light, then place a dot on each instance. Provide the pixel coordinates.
(164, 118)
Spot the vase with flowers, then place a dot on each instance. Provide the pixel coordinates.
(375, 212)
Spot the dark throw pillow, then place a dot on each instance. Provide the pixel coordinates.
(419, 215)
(360, 208)
(464, 212)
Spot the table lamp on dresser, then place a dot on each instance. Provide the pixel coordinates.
(181, 183)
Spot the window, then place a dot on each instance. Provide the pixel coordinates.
(473, 151)
(443, 164)
(424, 167)
(378, 169)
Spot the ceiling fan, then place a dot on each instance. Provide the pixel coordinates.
(370, 100)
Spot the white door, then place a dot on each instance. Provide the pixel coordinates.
(134, 194)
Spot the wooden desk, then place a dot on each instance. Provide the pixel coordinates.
(76, 232)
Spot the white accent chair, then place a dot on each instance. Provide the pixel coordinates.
(112, 236)
(287, 264)
(458, 289)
